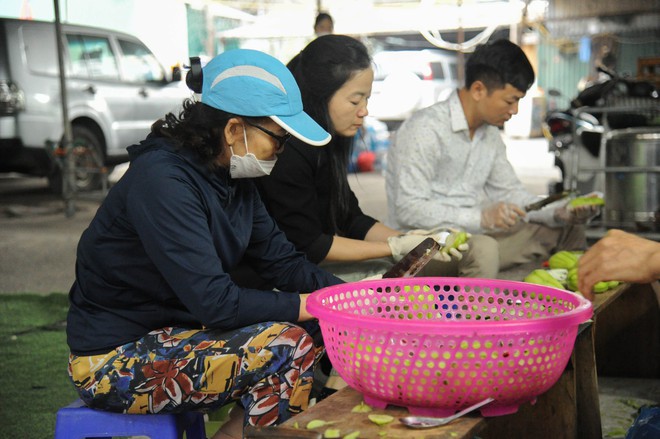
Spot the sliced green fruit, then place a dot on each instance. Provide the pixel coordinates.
(361, 408)
(316, 423)
(380, 419)
(331, 433)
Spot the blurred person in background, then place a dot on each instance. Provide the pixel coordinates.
(324, 24)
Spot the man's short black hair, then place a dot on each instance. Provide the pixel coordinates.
(497, 64)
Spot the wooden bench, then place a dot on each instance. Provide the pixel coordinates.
(570, 409)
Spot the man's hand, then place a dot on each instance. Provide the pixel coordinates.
(580, 210)
(501, 216)
(576, 214)
(619, 256)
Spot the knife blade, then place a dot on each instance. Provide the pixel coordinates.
(415, 260)
(547, 200)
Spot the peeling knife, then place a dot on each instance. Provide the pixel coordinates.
(547, 200)
(415, 260)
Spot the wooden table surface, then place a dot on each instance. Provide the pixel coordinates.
(338, 408)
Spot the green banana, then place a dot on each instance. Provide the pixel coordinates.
(563, 259)
(542, 277)
(586, 201)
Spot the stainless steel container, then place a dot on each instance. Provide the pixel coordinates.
(632, 179)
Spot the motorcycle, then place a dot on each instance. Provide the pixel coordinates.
(575, 133)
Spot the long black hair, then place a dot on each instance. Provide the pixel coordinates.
(321, 69)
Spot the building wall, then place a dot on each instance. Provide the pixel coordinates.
(577, 36)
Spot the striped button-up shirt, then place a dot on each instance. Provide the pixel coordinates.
(437, 176)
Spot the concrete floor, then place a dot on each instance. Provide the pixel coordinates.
(620, 400)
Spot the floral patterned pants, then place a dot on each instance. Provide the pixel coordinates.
(268, 367)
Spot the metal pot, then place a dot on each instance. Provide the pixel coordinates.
(632, 179)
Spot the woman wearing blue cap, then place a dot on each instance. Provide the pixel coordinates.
(156, 324)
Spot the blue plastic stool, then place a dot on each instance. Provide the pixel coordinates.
(77, 421)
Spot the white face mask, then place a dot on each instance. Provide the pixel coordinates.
(249, 166)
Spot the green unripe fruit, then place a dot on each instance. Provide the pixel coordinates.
(600, 287)
(542, 277)
(572, 279)
(454, 240)
(586, 201)
(563, 259)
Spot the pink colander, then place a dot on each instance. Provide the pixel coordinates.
(437, 345)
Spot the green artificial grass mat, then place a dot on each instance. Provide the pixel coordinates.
(33, 359)
(34, 383)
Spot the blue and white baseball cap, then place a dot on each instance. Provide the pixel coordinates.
(254, 84)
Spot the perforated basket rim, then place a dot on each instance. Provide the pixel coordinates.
(580, 314)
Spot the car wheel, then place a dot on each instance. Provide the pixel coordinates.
(88, 160)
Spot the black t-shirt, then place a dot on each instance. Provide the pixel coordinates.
(297, 195)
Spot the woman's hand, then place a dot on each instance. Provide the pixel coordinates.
(303, 315)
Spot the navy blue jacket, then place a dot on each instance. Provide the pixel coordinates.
(160, 247)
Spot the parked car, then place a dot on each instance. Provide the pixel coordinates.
(116, 88)
(407, 80)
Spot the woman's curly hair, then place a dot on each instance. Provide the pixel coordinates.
(198, 127)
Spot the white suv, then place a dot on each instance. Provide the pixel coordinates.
(115, 88)
(407, 80)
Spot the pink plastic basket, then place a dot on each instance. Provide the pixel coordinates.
(437, 345)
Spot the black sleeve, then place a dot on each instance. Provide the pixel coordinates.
(357, 224)
(291, 197)
(297, 195)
